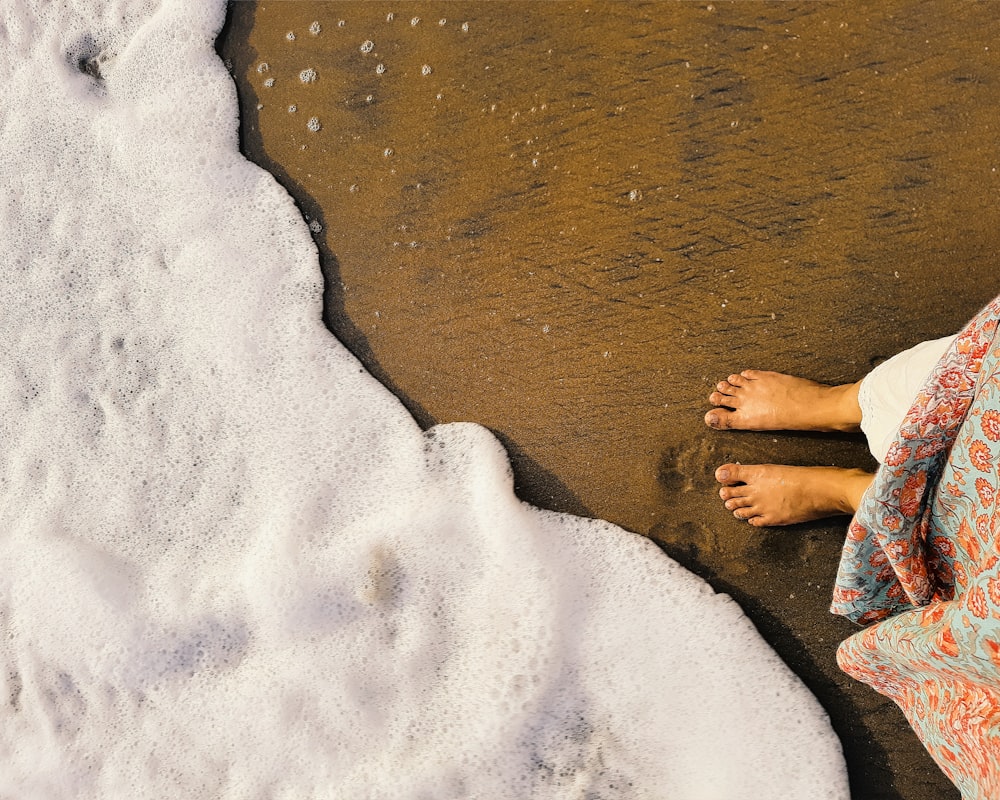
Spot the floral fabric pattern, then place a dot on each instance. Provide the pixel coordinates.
(921, 565)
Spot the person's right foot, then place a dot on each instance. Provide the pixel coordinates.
(756, 400)
(770, 494)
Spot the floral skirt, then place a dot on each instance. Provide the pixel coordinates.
(921, 565)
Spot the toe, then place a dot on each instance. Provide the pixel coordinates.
(719, 419)
(732, 473)
(728, 473)
(736, 380)
(758, 521)
(737, 502)
(731, 492)
(745, 513)
(752, 374)
(726, 387)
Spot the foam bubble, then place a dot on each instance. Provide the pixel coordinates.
(315, 29)
(307, 75)
(367, 46)
(313, 124)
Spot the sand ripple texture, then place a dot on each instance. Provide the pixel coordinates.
(232, 566)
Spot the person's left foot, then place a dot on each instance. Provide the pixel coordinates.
(769, 494)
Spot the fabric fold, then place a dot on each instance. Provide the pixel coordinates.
(921, 565)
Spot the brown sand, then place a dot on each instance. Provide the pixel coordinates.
(587, 213)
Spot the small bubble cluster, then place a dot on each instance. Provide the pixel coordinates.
(367, 46)
(315, 226)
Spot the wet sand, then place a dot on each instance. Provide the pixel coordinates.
(585, 214)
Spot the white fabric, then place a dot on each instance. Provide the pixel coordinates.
(888, 391)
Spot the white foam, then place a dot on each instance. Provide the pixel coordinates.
(232, 566)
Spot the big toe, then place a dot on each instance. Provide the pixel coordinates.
(719, 418)
(729, 474)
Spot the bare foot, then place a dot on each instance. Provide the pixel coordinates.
(768, 494)
(756, 400)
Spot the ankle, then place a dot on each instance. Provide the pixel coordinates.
(851, 486)
(845, 411)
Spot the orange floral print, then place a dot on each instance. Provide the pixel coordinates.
(912, 493)
(967, 539)
(980, 455)
(897, 454)
(976, 601)
(993, 650)
(990, 424)
(944, 546)
(946, 642)
(993, 588)
(985, 491)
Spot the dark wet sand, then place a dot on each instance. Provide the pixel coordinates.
(587, 213)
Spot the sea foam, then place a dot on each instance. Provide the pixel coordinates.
(232, 566)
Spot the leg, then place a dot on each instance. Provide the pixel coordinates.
(887, 392)
(768, 494)
(756, 400)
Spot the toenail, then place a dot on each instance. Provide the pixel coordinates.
(713, 419)
(723, 474)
